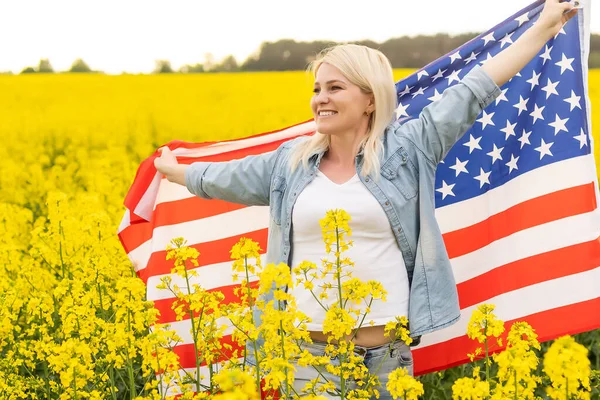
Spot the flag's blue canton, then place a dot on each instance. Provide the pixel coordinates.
(538, 119)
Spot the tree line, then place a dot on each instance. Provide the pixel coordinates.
(289, 55)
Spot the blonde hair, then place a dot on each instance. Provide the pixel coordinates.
(371, 71)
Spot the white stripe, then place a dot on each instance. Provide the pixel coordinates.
(184, 329)
(146, 205)
(140, 255)
(538, 182)
(125, 222)
(234, 223)
(529, 242)
(223, 147)
(171, 191)
(209, 277)
(526, 301)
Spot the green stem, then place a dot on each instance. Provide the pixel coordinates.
(160, 382)
(487, 364)
(339, 280)
(75, 383)
(111, 377)
(282, 335)
(516, 387)
(47, 379)
(129, 361)
(194, 335)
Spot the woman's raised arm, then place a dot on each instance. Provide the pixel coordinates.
(508, 62)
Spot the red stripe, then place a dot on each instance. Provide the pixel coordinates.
(549, 324)
(187, 353)
(191, 209)
(529, 271)
(167, 315)
(530, 213)
(135, 235)
(214, 252)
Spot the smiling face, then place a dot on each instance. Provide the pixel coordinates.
(338, 105)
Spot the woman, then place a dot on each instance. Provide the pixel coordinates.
(381, 172)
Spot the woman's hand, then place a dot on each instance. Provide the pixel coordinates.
(508, 62)
(554, 15)
(166, 160)
(167, 164)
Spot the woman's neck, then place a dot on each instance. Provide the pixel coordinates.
(343, 150)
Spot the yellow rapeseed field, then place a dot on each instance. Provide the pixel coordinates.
(72, 315)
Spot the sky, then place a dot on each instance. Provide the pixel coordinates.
(130, 35)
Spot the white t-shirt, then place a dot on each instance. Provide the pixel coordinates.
(375, 252)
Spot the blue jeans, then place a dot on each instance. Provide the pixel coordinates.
(374, 357)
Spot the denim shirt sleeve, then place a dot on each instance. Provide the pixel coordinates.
(442, 123)
(245, 181)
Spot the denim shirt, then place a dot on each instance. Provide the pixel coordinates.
(404, 189)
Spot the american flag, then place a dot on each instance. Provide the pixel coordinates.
(516, 198)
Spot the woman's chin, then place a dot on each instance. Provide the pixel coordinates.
(325, 129)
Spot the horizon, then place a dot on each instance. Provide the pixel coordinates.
(116, 37)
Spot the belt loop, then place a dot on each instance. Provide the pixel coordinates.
(361, 351)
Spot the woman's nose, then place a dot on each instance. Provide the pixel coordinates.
(322, 97)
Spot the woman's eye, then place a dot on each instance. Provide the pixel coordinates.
(315, 90)
(335, 87)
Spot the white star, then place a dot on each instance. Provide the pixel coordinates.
(573, 101)
(445, 190)
(421, 74)
(472, 57)
(436, 95)
(483, 177)
(439, 74)
(546, 55)
(460, 166)
(486, 119)
(559, 125)
(512, 164)
(522, 105)
(522, 19)
(502, 96)
(488, 38)
(420, 91)
(537, 113)
(506, 40)
(565, 64)
(405, 91)
(473, 143)
(550, 88)
(401, 110)
(488, 57)
(582, 139)
(454, 57)
(453, 77)
(495, 154)
(534, 80)
(524, 139)
(561, 32)
(544, 149)
(509, 129)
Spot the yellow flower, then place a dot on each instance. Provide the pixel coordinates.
(470, 389)
(235, 384)
(402, 385)
(484, 323)
(567, 365)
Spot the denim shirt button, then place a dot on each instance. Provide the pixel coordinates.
(387, 203)
(366, 179)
